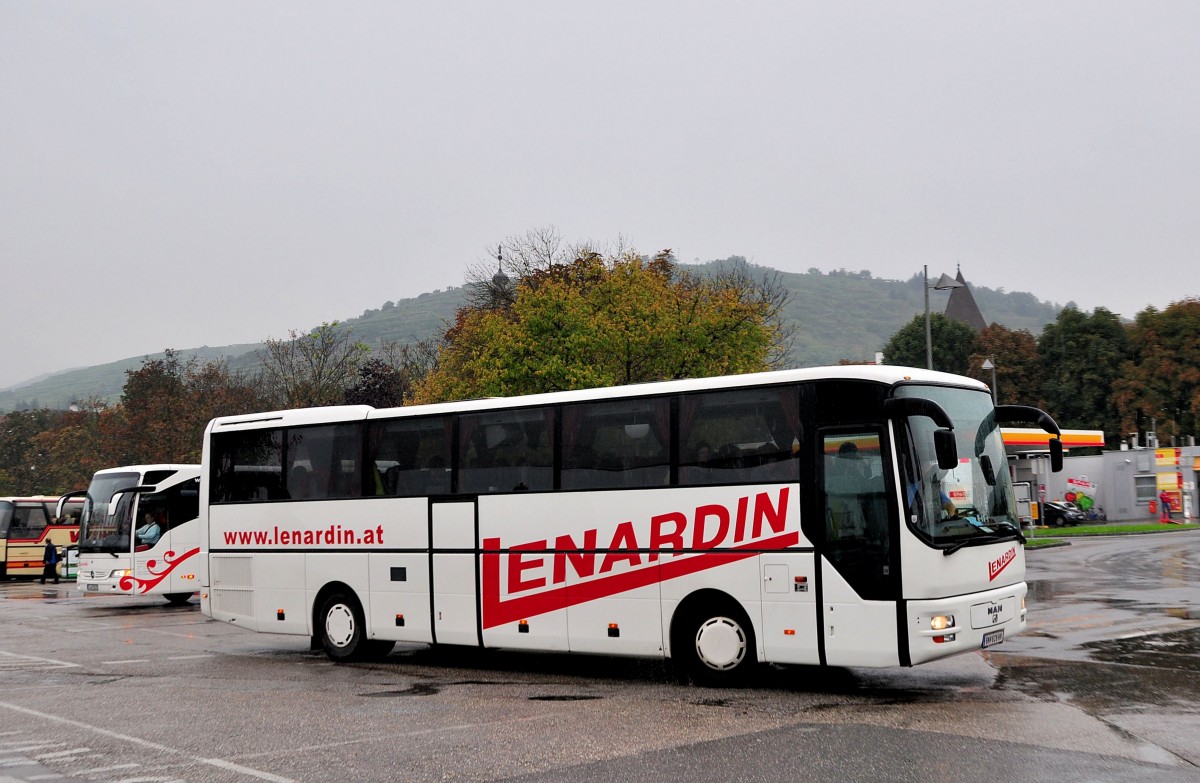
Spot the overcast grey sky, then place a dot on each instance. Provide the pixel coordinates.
(178, 174)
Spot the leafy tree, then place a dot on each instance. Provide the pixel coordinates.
(310, 369)
(600, 321)
(388, 378)
(952, 343)
(75, 447)
(1014, 354)
(1162, 378)
(378, 384)
(167, 403)
(20, 461)
(1081, 356)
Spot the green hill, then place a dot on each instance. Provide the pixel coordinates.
(837, 315)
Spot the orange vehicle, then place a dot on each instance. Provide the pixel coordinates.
(26, 523)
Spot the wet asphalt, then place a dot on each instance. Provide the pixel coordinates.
(1102, 688)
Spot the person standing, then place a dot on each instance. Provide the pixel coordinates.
(1164, 507)
(49, 562)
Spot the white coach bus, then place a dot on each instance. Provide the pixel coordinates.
(139, 533)
(847, 516)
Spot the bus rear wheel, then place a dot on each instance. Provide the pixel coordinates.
(716, 647)
(341, 630)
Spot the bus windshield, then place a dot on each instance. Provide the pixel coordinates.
(103, 528)
(6, 517)
(972, 503)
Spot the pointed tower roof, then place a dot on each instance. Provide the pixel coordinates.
(962, 306)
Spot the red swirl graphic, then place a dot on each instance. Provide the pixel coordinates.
(170, 563)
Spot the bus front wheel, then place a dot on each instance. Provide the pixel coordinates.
(716, 647)
(342, 631)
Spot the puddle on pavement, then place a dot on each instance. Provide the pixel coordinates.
(1176, 651)
(1139, 673)
(417, 689)
(565, 697)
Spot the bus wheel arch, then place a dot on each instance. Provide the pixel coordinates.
(712, 640)
(340, 627)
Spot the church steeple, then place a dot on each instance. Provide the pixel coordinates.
(962, 306)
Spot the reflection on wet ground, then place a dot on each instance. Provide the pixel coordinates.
(1152, 672)
(1178, 651)
(1113, 631)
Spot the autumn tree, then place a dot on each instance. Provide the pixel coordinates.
(21, 462)
(600, 321)
(952, 343)
(166, 404)
(1161, 380)
(75, 447)
(377, 384)
(310, 369)
(1081, 358)
(1014, 354)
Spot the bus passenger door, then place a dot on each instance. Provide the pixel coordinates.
(455, 580)
(859, 578)
(789, 609)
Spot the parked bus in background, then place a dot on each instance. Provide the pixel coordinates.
(25, 526)
(795, 517)
(139, 533)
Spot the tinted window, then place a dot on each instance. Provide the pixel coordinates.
(506, 451)
(172, 507)
(622, 443)
(28, 520)
(322, 462)
(411, 457)
(739, 436)
(247, 466)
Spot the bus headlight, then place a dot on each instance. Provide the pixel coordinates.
(941, 622)
(120, 572)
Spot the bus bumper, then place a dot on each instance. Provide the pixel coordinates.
(941, 627)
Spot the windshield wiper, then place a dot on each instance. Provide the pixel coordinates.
(988, 539)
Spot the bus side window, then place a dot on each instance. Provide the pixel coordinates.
(409, 457)
(28, 521)
(740, 435)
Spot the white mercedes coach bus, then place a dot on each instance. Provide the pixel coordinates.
(139, 533)
(843, 516)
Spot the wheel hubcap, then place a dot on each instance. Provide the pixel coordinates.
(339, 625)
(720, 643)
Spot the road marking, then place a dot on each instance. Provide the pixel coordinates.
(189, 657)
(28, 661)
(131, 660)
(212, 762)
(60, 754)
(390, 737)
(27, 748)
(105, 769)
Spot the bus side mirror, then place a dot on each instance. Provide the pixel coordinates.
(989, 473)
(60, 508)
(946, 448)
(1056, 455)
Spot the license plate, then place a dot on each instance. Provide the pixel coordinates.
(993, 637)
(93, 588)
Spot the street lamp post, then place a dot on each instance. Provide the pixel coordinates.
(988, 364)
(944, 283)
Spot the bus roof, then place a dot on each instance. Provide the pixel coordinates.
(883, 374)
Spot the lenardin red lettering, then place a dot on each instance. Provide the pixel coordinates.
(674, 544)
(1000, 563)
